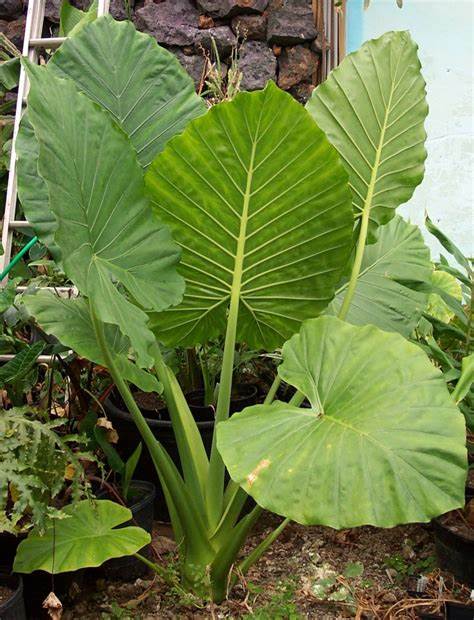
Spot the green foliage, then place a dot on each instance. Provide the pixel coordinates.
(71, 19)
(281, 605)
(222, 83)
(96, 246)
(91, 534)
(247, 239)
(69, 321)
(437, 308)
(372, 108)
(124, 469)
(140, 85)
(393, 271)
(354, 379)
(260, 206)
(36, 466)
(405, 569)
(19, 374)
(10, 73)
(354, 569)
(9, 63)
(446, 330)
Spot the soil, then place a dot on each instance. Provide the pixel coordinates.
(149, 401)
(5, 593)
(369, 571)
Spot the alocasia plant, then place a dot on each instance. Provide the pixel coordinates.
(260, 206)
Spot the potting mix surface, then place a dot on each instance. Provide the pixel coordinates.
(309, 572)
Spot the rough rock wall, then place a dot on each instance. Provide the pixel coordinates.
(277, 39)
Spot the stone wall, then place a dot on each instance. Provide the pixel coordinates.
(276, 39)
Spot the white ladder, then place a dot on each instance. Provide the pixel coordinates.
(32, 42)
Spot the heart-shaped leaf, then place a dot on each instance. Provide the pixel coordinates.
(257, 199)
(372, 108)
(381, 443)
(105, 229)
(87, 538)
(392, 271)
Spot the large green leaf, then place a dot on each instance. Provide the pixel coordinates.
(32, 190)
(392, 270)
(372, 108)
(69, 321)
(141, 84)
(106, 230)
(382, 442)
(87, 538)
(257, 199)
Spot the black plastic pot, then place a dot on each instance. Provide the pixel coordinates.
(457, 611)
(159, 422)
(38, 584)
(8, 546)
(470, 485)
(455, 552)
(129, 568)
(14, 607)
(454, 611)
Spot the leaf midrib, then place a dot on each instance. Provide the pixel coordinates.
(382, 258)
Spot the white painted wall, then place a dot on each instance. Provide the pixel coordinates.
(444, 31)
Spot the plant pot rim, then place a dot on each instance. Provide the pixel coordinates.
(116, 412)
(148, 488)
(13, 581)
(440, 527)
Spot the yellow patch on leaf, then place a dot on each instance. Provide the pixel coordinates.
(264, 463)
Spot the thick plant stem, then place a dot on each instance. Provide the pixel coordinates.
(159, 570)
(192, 454)
(364, 227)
(273, 390)
(257, 553)
(198, 546)
(215, 493)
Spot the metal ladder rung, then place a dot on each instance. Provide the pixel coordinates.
(15, 224)
(61, 291)
(41, 359)
(50, 43)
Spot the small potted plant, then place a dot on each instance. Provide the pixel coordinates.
(137, 495)
(41, 473)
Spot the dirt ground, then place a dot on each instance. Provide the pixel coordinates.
(309, 572)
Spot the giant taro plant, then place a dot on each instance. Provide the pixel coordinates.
(178, 226)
